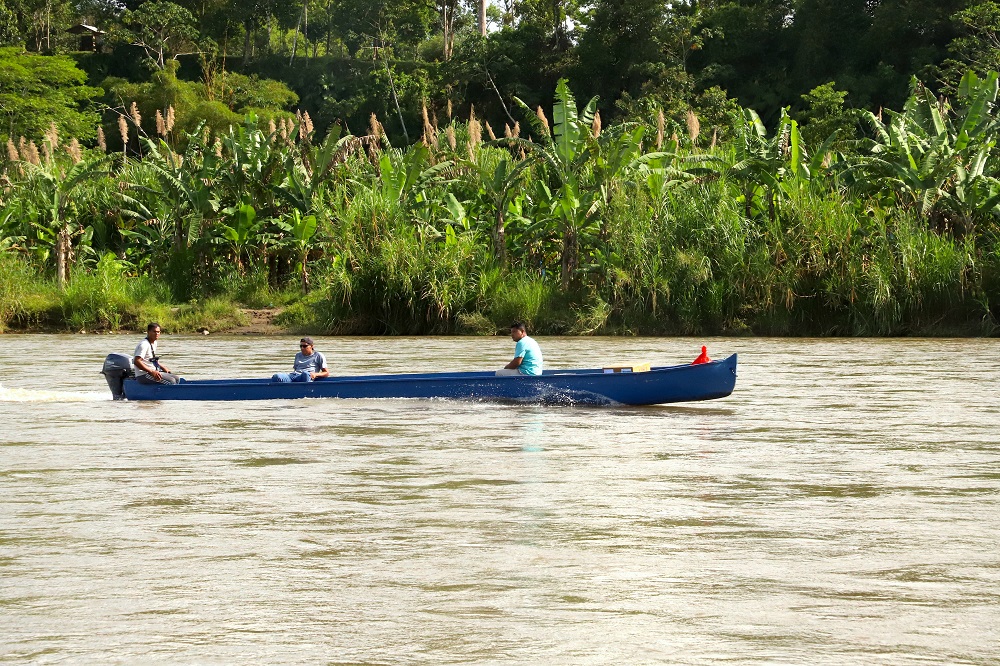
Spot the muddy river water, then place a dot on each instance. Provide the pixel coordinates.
(842, 506)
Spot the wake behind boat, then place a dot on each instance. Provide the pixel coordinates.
(599, 386)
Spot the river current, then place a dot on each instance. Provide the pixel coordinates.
(841, 507)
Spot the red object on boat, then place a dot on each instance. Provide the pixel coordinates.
(703, 357)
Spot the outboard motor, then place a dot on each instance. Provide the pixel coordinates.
(116, 368)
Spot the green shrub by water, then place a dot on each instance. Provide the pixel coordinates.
(22, 293)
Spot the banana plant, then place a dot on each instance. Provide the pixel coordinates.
(565, 154)
(255, 164)
(759, 162)
(302, 230)
(937, 157)
(403, 173)
(244, 229)
(498, 179)
(307, 174)
(53, 186)
(187, 184)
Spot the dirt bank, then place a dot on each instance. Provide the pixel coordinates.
(261, 323)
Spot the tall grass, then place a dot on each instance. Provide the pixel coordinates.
(824, 266)
(22, 292)
(105, 298)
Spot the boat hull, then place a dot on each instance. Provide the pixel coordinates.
(681, 383)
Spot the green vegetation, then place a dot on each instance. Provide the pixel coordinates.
(581, 230)
(39, 91)
(213, 156)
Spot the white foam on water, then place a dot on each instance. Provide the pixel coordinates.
(42, 395)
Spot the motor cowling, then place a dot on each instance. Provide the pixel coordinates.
(117, 367)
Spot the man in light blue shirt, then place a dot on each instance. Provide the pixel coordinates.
(527, 354)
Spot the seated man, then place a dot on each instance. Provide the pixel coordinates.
(527, 354)
(148, 369)
(309, 365)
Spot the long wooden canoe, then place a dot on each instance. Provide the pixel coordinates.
(658, 385)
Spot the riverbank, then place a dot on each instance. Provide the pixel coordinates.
(265, 322)
(242, 321)
(106, 298)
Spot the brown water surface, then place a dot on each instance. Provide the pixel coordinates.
(842, 506)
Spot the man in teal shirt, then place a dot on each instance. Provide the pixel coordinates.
(527, 354)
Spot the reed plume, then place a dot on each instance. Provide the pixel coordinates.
(516, 132)
(12, 153)
(545, 121)
(595, 127)
(170, 118)
(489, 131)
(102, 142)
(307, 123)
(136, 118)
(693, 126)
(33, 156)
(450, 134)
(161, 124)
(507, 133)
(123, 130)
(74, 150)
(52, 136)
(475, 132)
(430, 136)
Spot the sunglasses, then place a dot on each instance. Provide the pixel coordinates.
(303, 346)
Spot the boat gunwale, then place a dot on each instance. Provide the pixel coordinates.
(448, 376)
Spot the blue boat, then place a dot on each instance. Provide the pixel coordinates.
(600, 386)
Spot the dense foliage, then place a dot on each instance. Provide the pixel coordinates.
(215, 149)
(578, 229)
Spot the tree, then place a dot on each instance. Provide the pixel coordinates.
(621, 47)
(36, 24)
(361, 22)
(9, 33)
(554, 17)
(37, 90)
(825, 116)
(978, 46)
(163, 29)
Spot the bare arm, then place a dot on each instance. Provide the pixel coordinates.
(514, 364)
(148, 367)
